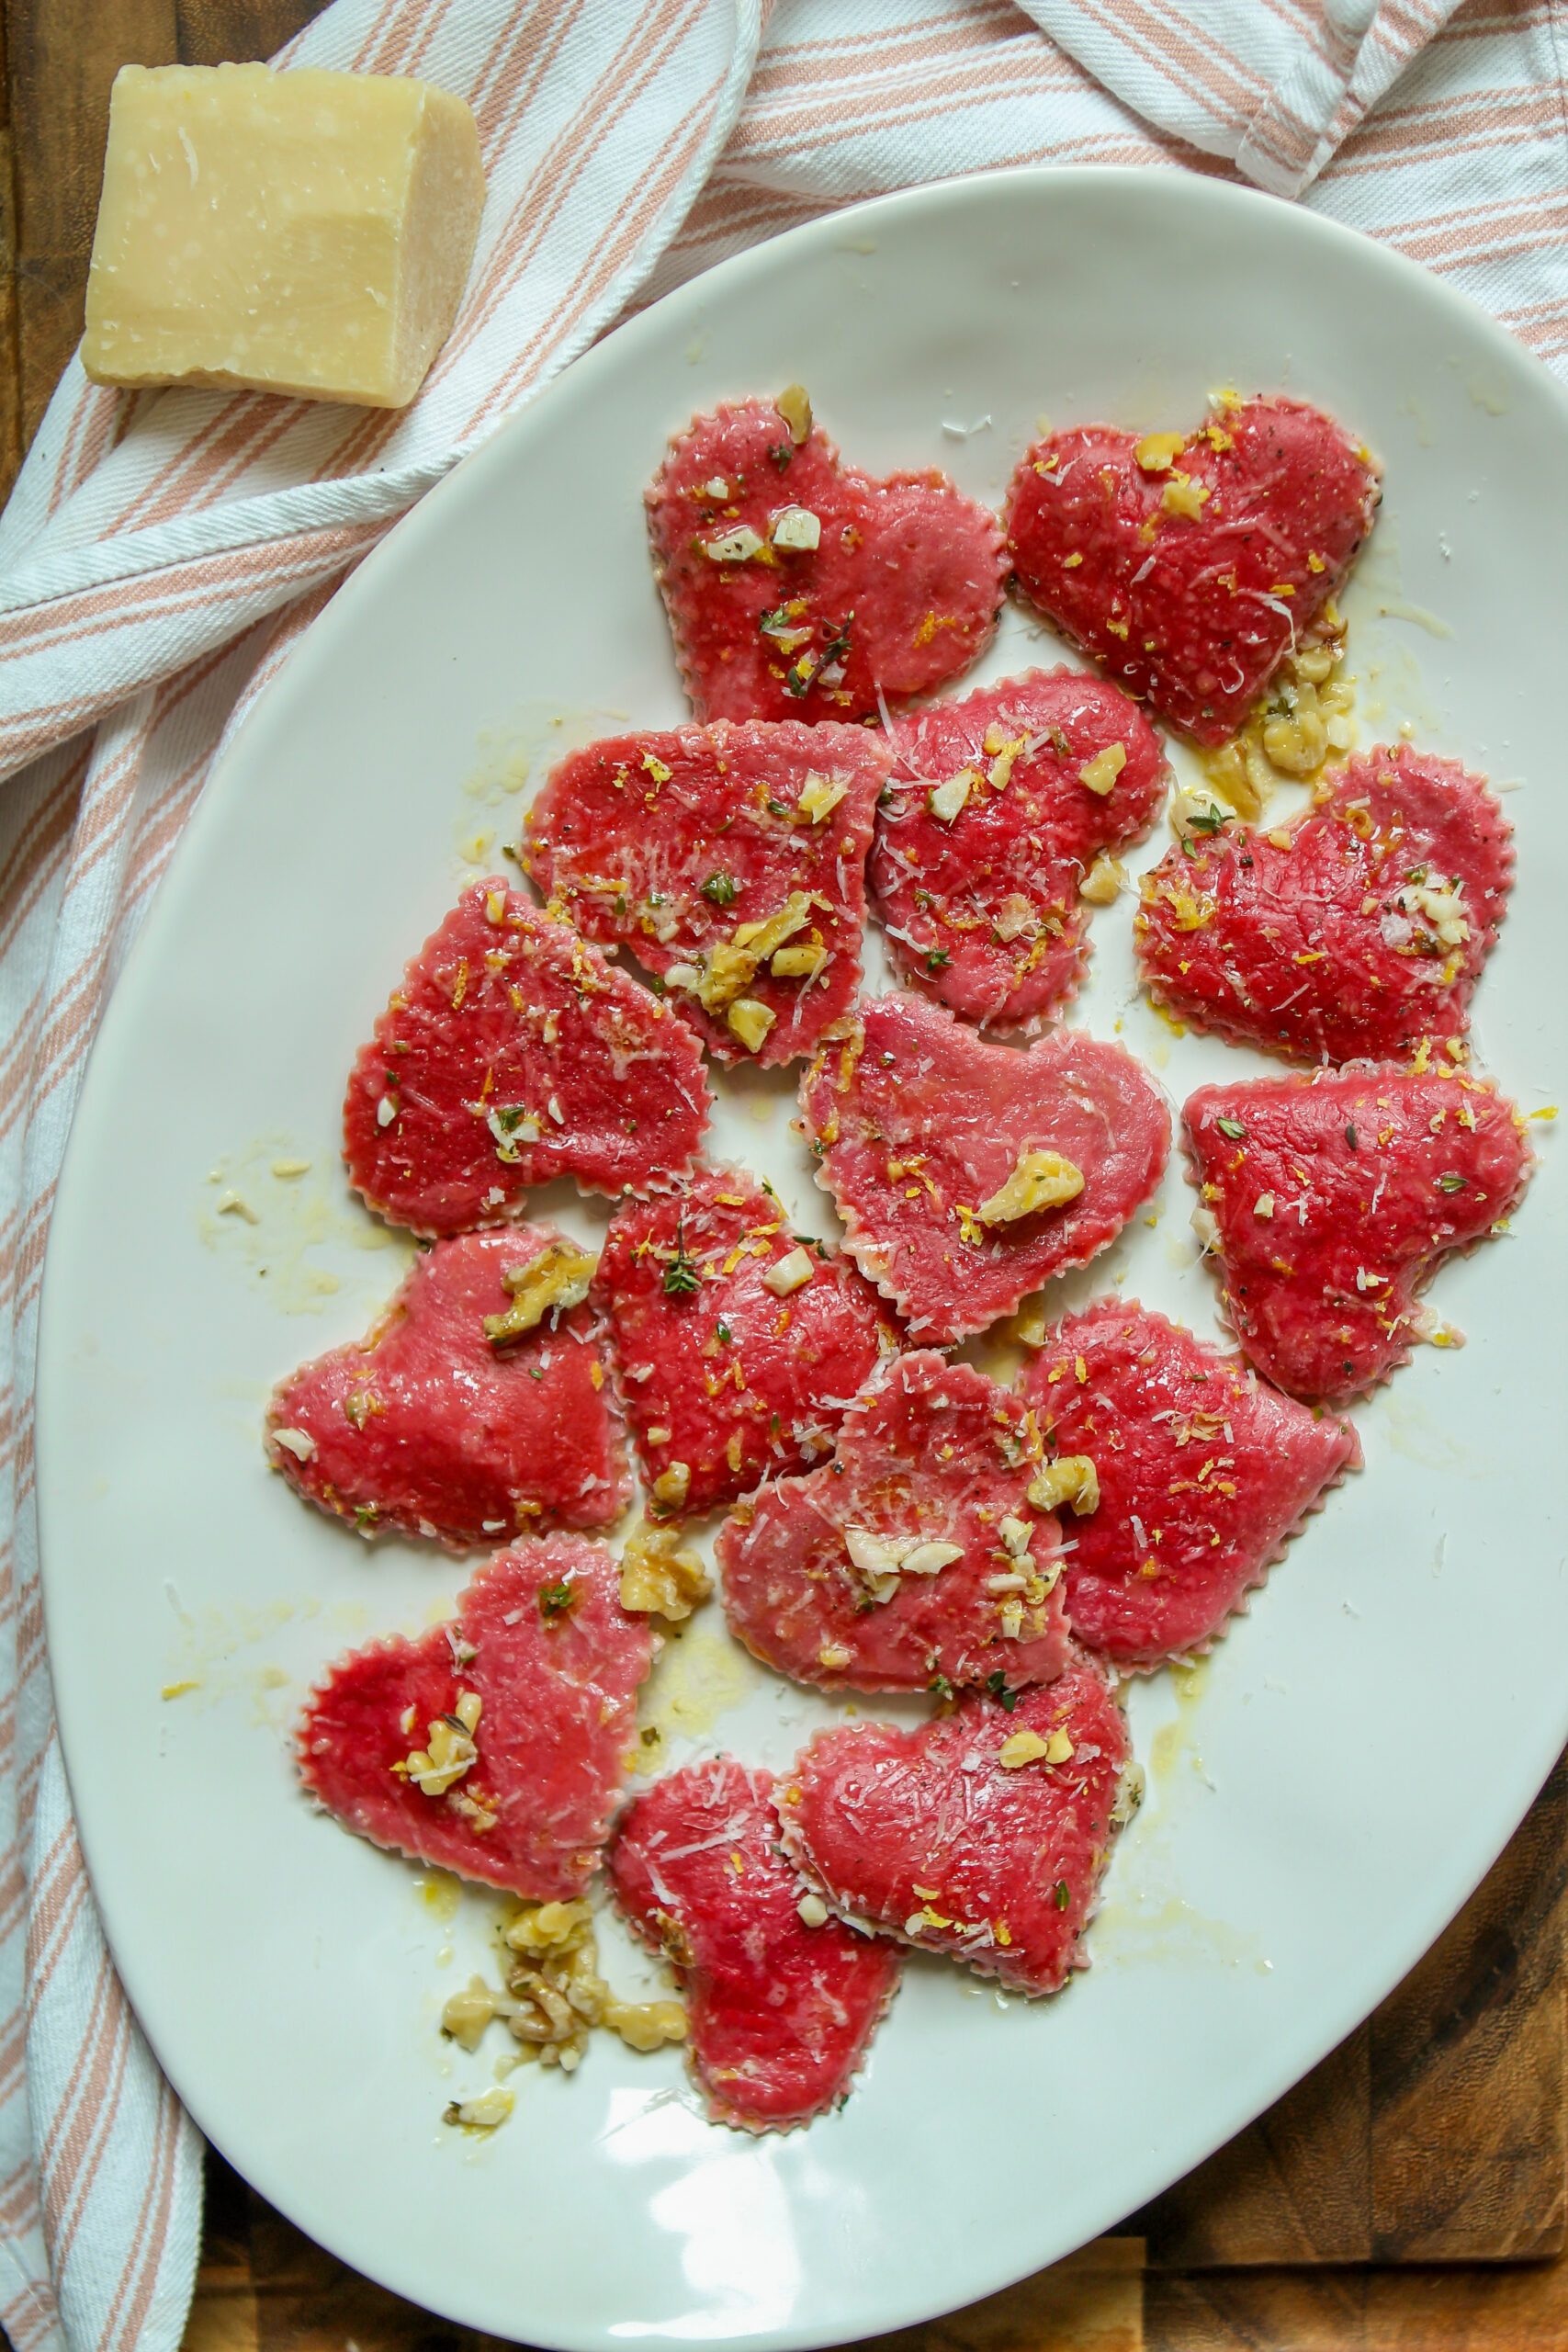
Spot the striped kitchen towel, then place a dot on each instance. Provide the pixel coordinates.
(164, 551)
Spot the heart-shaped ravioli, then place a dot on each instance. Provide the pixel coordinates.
(1201, 1473)
(731, 861)
(781, 2000)
(1354, 931)
(798, 587)
(1192, 565)
(492, 1745)
(968, 1173)
(925, 1555)
(1001, 809)
(1328, 1200)
(739, 1348)
(479, 1405)
(982, 1835)
(512, 1053)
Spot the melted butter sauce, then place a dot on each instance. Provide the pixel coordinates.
(440, 1892)
(700, 1677)
(1406, 1429)
(1175, 1747)
(276, 1212)
(1146, 1918)
(488, 814)
(206, 1658)
(1397, 608)
(1393, 697)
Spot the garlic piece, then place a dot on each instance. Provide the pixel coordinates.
(790, 1273)
(483, 2113)
(1042, 1180)
(797, 530)
(880, 1560)
(946, 801)
(734, 546)
(1183, 496)
(1099, 773)
(930, 1558)
(1157, 452)
(1205, 1226)
(873, 1555)
(820, 796)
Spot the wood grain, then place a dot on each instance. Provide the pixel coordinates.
(1437, 2133)
(1466, 2094)
(13, 439)
(60, 59)
(213, 30)
(1518, 2309)
(1093, 2302)
(1295, 2187)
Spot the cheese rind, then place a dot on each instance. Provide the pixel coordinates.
(299, 232)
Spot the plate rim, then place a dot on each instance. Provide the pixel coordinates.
(1034, 183)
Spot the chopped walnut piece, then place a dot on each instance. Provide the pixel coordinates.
(1071, 1479)
(558, 1278)
(749, 1020)
(554, 1997)
(1106, 879)
(661, 1576)
(673, 1485)
(449, 1751)
(1303, 722)
(794, 405)
(468, 2013)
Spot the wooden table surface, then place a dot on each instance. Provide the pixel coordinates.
(1407, 2197)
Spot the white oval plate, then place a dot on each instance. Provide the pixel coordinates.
(1361, 1745)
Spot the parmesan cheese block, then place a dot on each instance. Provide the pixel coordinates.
(300, 232)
